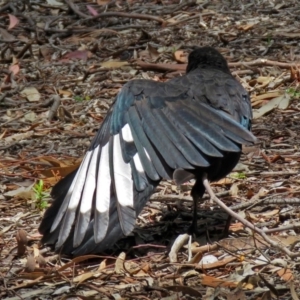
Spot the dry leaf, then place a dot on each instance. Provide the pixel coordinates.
(6, 36)
(102, 265)
(15, 69)
(180, 56)
(119, 266)
(83, 277)
(54, 3)
(281, 102)
(22, 193)
(13, 21)
(78, 54)
(18, 137)
(92, 10)
(154, 54)
(59, 171)
(245, 27)
(41, 261)
(65, 93)
(30, 116)
(215, 282)
(22, 241)
(30, 264)
(111, 64)
(234, 189)
(31, 93)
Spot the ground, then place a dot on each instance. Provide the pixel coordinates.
(63, 62)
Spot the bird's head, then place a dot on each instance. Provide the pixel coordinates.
(205, 57)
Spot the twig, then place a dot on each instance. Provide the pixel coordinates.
(180, 6)
(247, 223)
(287, 227)
(127, 15)
(160, 67)
(54, 107)
(279, 173)
(25, 48)
(76, 10)
(182, 67)
(168, 198)
(268, 200)
(190, 18)
(263, 62)
(205, 248)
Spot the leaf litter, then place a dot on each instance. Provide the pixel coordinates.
(63, 62)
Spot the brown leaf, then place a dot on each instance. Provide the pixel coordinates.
(92, 10)
(285, 274)
(119, 266)
(22, 241)
(13, 21)
(246, 27)
(31, 93)
(59, 171)
(65, 93)
(41, 261)
(83, 277)
(5, 35)
(217, 264)
(15, 69)
(45, 51)
(30, 264)
(180, 56)
(78, 54)
(234, 189)
(185, 290)
(215, 282)
(114, 64)
(154, 54)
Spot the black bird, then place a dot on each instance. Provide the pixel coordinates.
(189, 127)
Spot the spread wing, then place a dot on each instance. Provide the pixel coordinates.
(152, 129)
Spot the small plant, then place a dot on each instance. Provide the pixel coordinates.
(269, 40)
(40, 195)
(293, 92)
(81, 99)
(78, 99)
(238, 175)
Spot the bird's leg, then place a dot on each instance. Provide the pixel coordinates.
(196, 193)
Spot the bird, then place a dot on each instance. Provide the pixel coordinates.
(189, 127)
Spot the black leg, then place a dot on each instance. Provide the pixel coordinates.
(197, 194)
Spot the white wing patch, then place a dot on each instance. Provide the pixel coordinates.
(138, 164)
(126, 134)
(103, 181)
(147, 154)
(64, 206)
(74, 192)
(90, 184)
(122, 175)
(76, 195)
